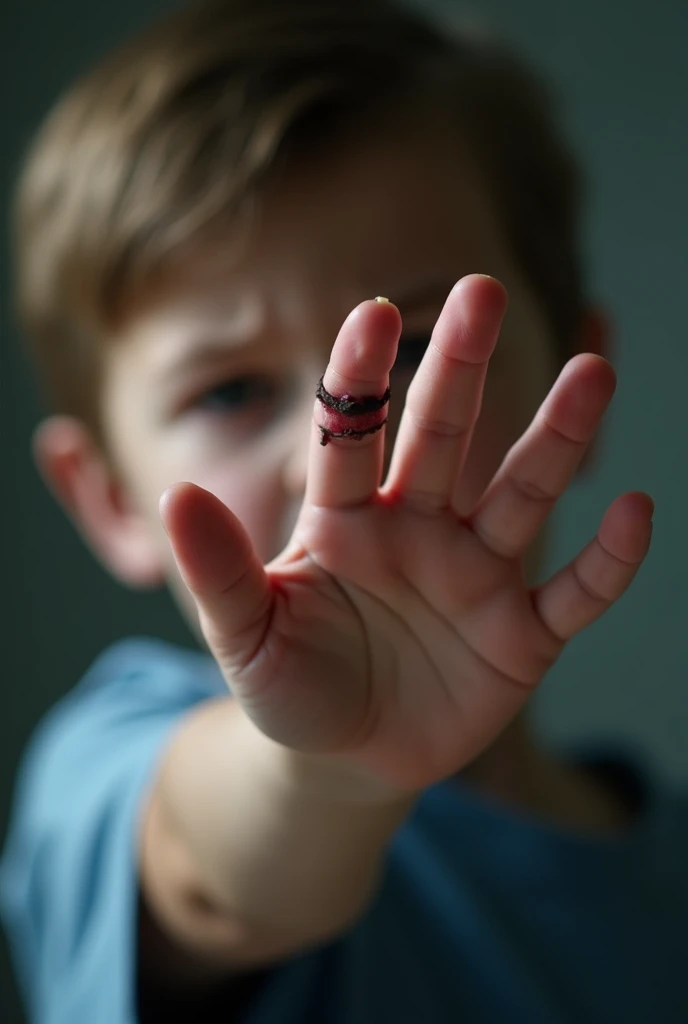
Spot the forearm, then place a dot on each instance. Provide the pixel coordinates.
(285, 849)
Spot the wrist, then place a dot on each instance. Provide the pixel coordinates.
(328, 777)
(331, 824)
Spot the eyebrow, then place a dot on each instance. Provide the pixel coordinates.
(210, 349)
(206, 349)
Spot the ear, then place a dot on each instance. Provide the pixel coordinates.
(596, 335)
(81, 479)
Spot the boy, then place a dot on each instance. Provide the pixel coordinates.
(366, 830)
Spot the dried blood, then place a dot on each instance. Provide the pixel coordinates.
(349, 416)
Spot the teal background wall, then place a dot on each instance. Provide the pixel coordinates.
(621, 72)
(623, 79)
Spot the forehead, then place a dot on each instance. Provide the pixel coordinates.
(385, 203)
(397, 209)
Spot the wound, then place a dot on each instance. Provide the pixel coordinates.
(349, 416)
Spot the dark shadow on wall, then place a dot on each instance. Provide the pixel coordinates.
(44, 564)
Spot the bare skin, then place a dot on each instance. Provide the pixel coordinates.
(383, 587)
(384, 649)
(378, 632)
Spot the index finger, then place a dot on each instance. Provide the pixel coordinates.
(347, 438)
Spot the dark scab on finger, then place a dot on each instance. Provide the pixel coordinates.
(356, 435)
(348, 416)
(347, 405)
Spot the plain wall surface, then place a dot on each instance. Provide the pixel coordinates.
(622, 74)
(621, 71)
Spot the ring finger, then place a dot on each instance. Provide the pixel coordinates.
(540, 466)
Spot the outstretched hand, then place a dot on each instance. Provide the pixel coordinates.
(393, 633)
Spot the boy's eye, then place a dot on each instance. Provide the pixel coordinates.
(238, 394)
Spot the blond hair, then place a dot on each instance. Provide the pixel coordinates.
(180, 126)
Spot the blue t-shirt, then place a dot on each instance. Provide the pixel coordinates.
(482, 915)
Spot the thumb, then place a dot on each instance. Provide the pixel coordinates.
(217, 562)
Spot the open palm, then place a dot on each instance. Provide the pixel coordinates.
(393, 632)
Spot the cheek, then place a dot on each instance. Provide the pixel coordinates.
(248, 480)
(248, 484)
(254, 492)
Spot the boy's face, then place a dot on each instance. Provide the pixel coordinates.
(213, 377)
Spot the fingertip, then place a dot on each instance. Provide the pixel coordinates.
(636, 505)
(166, 500)
(471, 319)
(377, 310)
(365, 349)
(626, 529)
(485, 288)
(642, 503)
(643, 512)
(608, 370)
(380, 308)
(595, 367)
(170, 499)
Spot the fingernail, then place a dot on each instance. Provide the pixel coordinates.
(381, 298)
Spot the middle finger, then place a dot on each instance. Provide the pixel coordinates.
(444, 398)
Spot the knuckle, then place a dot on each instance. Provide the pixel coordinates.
(438, 427)
(532, 491)
(587, 587)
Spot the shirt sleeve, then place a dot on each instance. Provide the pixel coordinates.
(68, 882)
